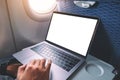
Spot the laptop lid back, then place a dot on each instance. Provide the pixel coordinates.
(72, 31)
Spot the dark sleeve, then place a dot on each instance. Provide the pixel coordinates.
(3, 68)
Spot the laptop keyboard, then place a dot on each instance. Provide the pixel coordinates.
(58, 57)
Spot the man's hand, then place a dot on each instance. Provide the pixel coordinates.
(35, 70)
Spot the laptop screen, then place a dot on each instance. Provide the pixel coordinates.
(71, 32)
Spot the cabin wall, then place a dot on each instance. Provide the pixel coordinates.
(26, 30)
(17, 29)
(7, 46)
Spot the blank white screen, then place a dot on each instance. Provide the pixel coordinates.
(71, 32)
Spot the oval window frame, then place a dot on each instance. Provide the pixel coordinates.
(37, 16)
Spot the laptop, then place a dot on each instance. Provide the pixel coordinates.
(67, 44)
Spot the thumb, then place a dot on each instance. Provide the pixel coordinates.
(21, 69)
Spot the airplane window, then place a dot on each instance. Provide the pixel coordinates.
(42, 6)
(39, 10)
